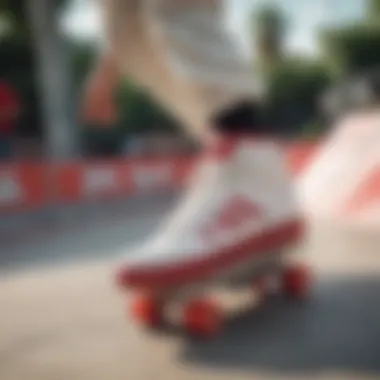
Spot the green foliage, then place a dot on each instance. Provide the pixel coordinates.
(140, 113)
(373, 11)
(82, 58)
(270, 22)
(295, 87)
(18, 7)
(16, 65)
(312, 130)
(269, 28)
(15, 11)
(352, 49)
(13, 8)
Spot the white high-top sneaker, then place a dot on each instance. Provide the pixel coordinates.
(240, 205)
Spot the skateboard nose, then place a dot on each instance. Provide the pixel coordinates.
(121, 277)
(129, 276)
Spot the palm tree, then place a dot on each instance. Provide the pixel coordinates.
(268, 28)
(373, 11)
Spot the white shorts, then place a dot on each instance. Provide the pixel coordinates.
(182, 52)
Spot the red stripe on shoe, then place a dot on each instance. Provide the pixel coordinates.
(208, 265)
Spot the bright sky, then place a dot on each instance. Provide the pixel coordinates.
(305, 17)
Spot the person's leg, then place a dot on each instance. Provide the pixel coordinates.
(220, 83)
(182, 53)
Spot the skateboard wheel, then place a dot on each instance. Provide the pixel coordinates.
(147, 310)
(296, 281)
(202, 318)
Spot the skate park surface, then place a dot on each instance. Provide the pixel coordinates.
(62, 318)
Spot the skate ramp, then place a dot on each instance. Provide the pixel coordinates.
(342, 183)
(67, 321)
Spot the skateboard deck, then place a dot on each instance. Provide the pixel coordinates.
(202, 307)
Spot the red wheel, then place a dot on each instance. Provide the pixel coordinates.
(296, 281)
(147, 310)
(202, 318)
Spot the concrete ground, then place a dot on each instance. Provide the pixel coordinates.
(61, 318)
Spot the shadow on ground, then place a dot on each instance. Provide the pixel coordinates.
(337, 329)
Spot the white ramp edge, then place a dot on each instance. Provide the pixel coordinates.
(343, 181)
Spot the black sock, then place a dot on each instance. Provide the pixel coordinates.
(244, 117)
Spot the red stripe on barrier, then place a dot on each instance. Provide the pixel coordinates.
(32, 185)
(23, 185)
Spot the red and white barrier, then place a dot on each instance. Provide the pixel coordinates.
(23, 186)
(26, 186)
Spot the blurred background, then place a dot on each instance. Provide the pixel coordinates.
(79, 194)
(48, 47)
(47, 50)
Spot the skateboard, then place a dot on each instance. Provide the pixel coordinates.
(195, 307)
